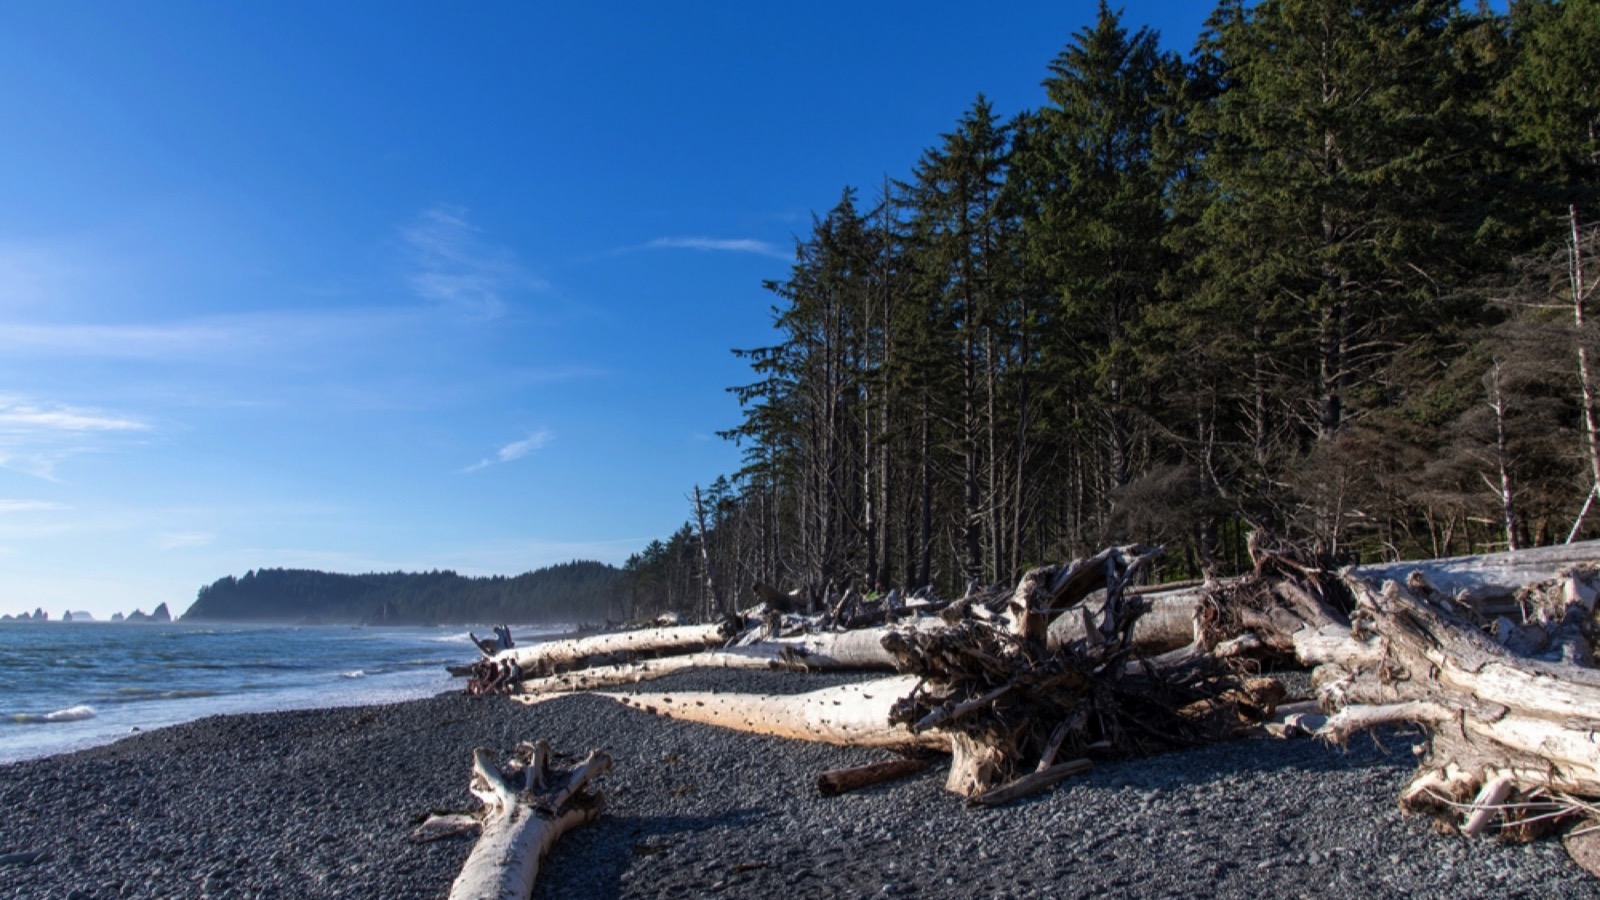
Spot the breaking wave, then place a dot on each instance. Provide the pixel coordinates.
(70, 714)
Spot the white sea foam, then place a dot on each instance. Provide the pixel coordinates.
(355, 674)
(70, 714)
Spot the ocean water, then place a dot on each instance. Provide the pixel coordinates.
(69, 685)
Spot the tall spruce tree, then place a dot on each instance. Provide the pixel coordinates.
(1100, 229)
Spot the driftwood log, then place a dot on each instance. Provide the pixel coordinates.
(504, 670)
(527, 807)
(855, 715)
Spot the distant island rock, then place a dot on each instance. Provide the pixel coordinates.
(38, 615)
(80, 615)
(160, 615)
(578, 591)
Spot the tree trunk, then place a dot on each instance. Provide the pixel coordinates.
(525, 810)
(855, 715)
(510, 666)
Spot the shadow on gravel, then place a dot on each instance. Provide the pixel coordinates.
(598, 854)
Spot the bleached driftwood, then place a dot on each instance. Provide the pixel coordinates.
(826, 651)
(1488, 581)
(526, 808)
(1012, 703)
(595, 677)
(1510, 737)
(850, 715)
(503, 670)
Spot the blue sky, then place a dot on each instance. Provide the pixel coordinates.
(362, 286)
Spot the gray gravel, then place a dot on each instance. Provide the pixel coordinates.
(319, 804)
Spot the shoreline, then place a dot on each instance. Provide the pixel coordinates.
(320, 803)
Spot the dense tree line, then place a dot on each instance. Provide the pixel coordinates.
(1327, 276)
(574, 592)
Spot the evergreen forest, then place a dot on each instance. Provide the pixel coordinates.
(574, 592)
(1325, 276)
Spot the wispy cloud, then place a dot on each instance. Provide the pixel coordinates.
(8, 507)
(719, 245)
(513, 451)
(702, 244)
(457, 268)
(36, 436)
(181, 540)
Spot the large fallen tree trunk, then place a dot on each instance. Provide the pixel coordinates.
(594, 677)
(1485, 585)
(526, 808)
(827, 651)
(1488, 582)
(854, 715)
(502, 671)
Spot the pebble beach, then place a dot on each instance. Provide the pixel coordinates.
(321, 804)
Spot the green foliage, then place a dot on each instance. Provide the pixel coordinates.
(1262, 286)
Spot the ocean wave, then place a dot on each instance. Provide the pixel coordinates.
(355, 674)
(70, 714)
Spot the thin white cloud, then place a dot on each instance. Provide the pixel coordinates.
(719, 245)
(513, 451)
(8, 507)
(702, 244)
(36, 436)
(181, 540)
(19, 416)
(459, 270)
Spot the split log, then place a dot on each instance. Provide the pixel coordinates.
(855, 715)
(502, 671)
(526, 808)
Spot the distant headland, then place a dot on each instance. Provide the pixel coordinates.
(573, 592)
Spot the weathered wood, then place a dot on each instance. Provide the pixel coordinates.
(1506, 731)
(760, 657)
(849, 715)
(505, 669)
(1487, 582)
(1167, 624)
(1031, 783)
(1484, 579)
(839, 781)
(526, 808)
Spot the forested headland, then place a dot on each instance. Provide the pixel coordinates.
(571, 593)
(1327, 275)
